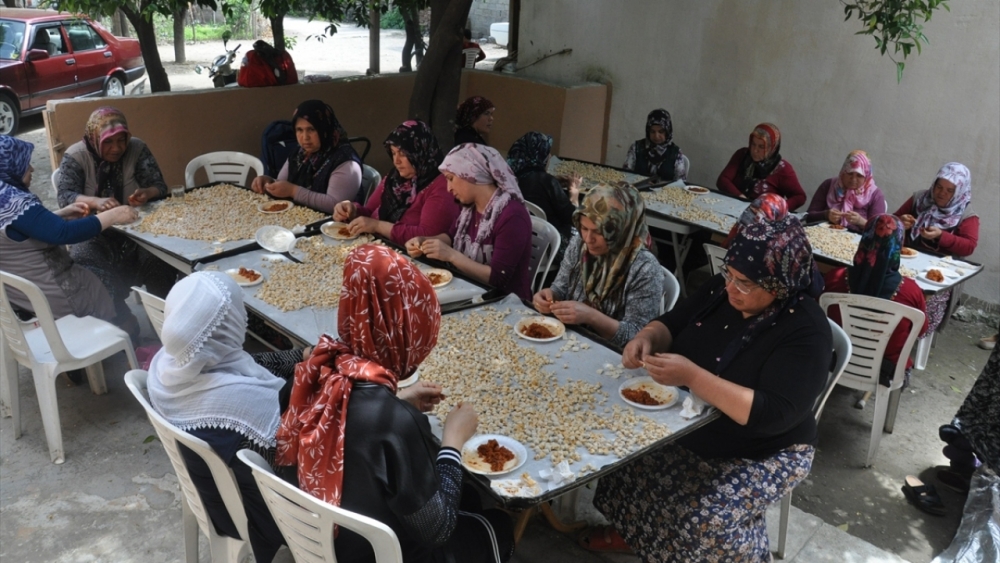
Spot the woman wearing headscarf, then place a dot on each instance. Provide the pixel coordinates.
(759, 169)
(33, 241)
(360, 447)
(413, 199)
(938, 220)
(491, 239)
(656, 154)
(850, 198)
(324, 170)
(608, 281)
(108, 168)
(754, 346)
(876, 273)
(527, 158)
(473, 120)
(205, 384)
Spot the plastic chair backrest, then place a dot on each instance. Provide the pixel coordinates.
(12, 327)
(671, 291)
(170, 436)
(870, 322)
(307, 522)
(687, 164)
(223, 166)
(154, 307)
(56, 174)
(545, 241)
(370, 179)
(842, 354)
(470, 57)
(534, 210)
(716, 255)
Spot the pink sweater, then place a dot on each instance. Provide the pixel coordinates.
(432, 212)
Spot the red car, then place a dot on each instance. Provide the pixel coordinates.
(46, 55)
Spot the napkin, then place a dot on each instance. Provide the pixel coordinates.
(693, 406)
(558, 475)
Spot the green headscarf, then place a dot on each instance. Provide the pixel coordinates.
(618, 211)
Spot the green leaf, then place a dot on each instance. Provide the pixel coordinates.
(843, 527)
(899, 72)
(956, 389)
(149, 439)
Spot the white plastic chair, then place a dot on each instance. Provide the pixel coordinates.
(154, 307)
(671, 291)
(870, 322)
(223, 166)
(545, 241)
(307, 522)
(370, 179)
(51, 347)
(535, 211)
(56, 174)
(716, 257)
(842, 351)
(470, 57)
(224, 549)
(687, 164)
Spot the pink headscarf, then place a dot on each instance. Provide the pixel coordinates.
(480, 164)
(845, 200)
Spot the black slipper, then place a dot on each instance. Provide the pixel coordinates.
(923, 496)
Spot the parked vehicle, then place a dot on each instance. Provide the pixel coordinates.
(222, 72)
(47, 55)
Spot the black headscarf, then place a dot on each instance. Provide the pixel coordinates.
(417, 142)
(876, 263)
(313, 171)
(656, 154)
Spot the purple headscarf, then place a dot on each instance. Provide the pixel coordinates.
(929, 214)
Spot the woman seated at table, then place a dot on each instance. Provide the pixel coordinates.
(608, 281)
(473, 120)
(849, 198)
(759, 169)
(656, 155)
(491, 239)
(876, 273)
(108, 168)
(325, 170)
(33, 239)
(753, 345)
(413, 199)
(528, 157)
(938, 220)
(358, 446)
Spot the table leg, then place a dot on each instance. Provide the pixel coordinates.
(681, 244)
(521, 522)
(558, 524)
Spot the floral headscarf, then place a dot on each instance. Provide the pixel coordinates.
(751, 172)
(529, 152)
(657, 153)
(388, 323)
(619, 214)
(768, 207)
(846, 200)
(470, 110)
(929, 214)
(480, 164)
(876, 263)
(104, 123)
(312, 171)
(416, 140)
(15, 199)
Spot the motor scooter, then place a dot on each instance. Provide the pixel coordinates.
(222, 72)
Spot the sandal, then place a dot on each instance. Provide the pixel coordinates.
(923, 496)
(603, 538)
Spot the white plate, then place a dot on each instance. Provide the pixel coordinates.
(905, 256)
(475, 464)
(666, 394)
(409, 380)
(697, 190)
(446, 277)
(332, 228)
(235, 274)
(554, 325)
(287, 205)
(949, 276)
(274, 238)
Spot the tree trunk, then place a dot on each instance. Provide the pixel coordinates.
(435, 90)
(515, 26)
(9, 3)
(119, 24)
(145, 32)
(179, 55)
(278, 31)
(412, 26)
(374, 31)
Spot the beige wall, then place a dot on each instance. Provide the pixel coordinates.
(182, 125)
(722, 66)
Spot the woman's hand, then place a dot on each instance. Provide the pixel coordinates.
(121, 215)
(908, 220)
(413, 247)
(930, 233)
(671, 369)
(855, 218)
(306, 352)
(574, 189)
(637, 350)
(344, 211)
(834, 216)
(142, 195)
(363, 225)
(543, 301)
(259, 182)
(105, 203)
(572, 312)
(460, 425)
(74, 211)
(281, 188)
(423, 395)
(437, 249)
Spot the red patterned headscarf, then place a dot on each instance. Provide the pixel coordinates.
(388, 323)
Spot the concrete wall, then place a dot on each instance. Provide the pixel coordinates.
(179, 126)
(483, 13)
(722, 66)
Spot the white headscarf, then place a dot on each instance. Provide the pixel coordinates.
(202, 378)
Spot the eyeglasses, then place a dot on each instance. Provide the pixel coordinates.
(743, 286)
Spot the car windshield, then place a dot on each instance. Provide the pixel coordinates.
(11, 39)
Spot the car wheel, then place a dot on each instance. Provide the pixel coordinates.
(9, 116)
(114, 87)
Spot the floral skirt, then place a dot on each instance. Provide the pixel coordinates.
(936, 308)
(672, 505)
